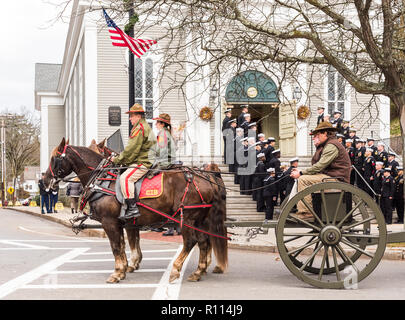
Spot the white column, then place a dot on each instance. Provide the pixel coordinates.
(90, 79)
(44, 149)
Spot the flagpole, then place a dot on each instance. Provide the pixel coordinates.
(131, 73)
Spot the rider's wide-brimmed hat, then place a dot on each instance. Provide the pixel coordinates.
(323, 126)
(136, 108)
(163, 117)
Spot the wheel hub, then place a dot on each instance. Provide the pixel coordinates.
(330, 235)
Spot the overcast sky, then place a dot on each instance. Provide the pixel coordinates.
(27, 36)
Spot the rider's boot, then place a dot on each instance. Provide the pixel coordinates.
(132, 210)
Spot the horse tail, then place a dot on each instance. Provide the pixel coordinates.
(216, 221)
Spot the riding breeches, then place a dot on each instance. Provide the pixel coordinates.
(128, 179)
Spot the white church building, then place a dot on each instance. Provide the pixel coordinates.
(86, 98)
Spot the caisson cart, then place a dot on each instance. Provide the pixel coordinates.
(343, 244)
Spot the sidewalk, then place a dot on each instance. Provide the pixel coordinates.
(240, 240)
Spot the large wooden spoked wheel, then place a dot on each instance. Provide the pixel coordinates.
(334, 253)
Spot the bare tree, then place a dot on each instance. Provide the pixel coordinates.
(362, 39)
(22, 144)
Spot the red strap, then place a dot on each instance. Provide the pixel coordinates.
(50, 168)
(173, 219)
(198, 190)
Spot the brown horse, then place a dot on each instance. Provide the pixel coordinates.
(81, 160)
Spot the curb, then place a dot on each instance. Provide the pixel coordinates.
(389, 254)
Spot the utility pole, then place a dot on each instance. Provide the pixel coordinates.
(131, 73)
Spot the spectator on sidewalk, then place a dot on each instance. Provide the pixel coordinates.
(44, 195)
(74, 190)
(53, 198)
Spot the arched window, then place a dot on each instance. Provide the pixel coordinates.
(336, 91)
(144, 85)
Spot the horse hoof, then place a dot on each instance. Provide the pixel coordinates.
(194, 278)
(174, 276)
(217, 270)
(113, 279)
(130, 269)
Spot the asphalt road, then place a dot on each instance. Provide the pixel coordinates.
(41, 260)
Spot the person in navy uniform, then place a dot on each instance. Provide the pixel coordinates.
(358, 163)
(270, 194)
(290, 181)
(321, 111)
(225, 122)
(259, 175)
(253, 126)
(368, 171)
(382, 154)
(282, 183)
(244, 178)
(387, 195)
(241, 117)
(337, 121)
(393, 164)
(341, 138)
(353, 136)
(377, 180)
(370, 144)
(399, 194)
(230, 138)
(275, 162)
(346, 128)
(245, 124)
(238, 151)
(268, 152)
(351, 152)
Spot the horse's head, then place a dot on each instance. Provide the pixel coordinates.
(213, 167)
(100, 148)
(59, 166)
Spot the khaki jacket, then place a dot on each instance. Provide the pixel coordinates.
(140, 141)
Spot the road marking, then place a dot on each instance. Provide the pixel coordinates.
(167, 290)
(109, 260)
(38, 272)
(52, 234)
(104, 271)
(89, 286)
(128, 252)
(30, 246)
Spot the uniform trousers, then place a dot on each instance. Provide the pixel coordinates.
(128, 179)
(270, 203)
(304, 182)
(386, 208)
(399, 207)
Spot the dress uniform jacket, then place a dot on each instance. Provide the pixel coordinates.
(238, 151)
(269, 155)
(393, 165)
(358, 164)
(275, 163)
(399, 197)
(258, 183)
(368, 172)
(383, 157)
(241, 119)
(337, 123)
(351, 153)
(289, 182)
(346, 132)
(387, 192)
(377, 181)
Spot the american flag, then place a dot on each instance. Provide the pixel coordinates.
(121, 39)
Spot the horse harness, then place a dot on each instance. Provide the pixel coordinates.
(102, 178)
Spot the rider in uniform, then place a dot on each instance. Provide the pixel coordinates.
(135, 156)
